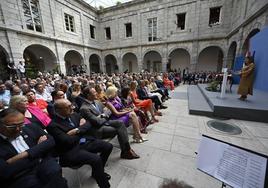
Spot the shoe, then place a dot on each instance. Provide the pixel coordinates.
(144, 131)
(155, 120)
(129, 155)
(137, 140)
(242, 99)
(108, 176)
(144, 139)
(163, 107)
(158, 113)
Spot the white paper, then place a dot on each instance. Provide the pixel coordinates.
(231, 165)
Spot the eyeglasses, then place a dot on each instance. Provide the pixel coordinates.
(13, 126)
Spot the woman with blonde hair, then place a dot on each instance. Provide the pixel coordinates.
(123, 114)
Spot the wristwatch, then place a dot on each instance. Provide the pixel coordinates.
(77, 131)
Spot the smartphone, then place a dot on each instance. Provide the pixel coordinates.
(82, 141)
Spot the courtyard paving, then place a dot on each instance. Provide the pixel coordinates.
(170, 151)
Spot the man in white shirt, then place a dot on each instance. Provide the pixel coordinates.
(21, 69)
(41, 93)
(25, 159)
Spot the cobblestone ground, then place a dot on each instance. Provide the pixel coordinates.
(170, 151)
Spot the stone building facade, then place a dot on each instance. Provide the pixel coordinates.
(142, 34)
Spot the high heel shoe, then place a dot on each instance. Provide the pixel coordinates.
(137, 140)
(144, 139)
(158, 113)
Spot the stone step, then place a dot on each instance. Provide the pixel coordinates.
(197, 103)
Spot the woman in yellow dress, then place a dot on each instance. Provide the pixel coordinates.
(247, 78)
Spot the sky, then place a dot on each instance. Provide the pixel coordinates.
(104, 3)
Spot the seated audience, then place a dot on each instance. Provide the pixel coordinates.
(168, 83)
(74, 147)
(146, 105)
(93, 111)
(25, 154)
(126, 115)
(128, 103)
(32, 101)
(41, 93)
(4, 96)
(33, 115)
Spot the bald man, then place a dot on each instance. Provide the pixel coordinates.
(74, 147)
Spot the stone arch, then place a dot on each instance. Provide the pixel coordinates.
(39, 58)
(179, 47)
(210, 59)
(152, 61)
(231, 55)
(130, 62)
(4, 60)
(95, 63)
(73, 59)
(111, 64)
(246, 43)
(179, 59)
(151, 49)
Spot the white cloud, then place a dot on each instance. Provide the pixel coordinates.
(104, 3)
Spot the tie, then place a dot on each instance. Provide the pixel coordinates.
(70, 122)
(146, 94)
(96, 106)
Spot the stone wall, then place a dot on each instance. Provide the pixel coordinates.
(237, 19)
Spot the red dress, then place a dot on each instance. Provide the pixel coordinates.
(144, 104)
(168, 83)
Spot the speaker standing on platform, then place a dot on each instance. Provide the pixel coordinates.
(247, 78)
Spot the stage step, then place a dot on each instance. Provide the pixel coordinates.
(198, 105)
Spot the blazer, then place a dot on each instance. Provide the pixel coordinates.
(90, 113)
(59, 128)
(141, 93)
(31, 135)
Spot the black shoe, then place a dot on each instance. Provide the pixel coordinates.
(163, 107)
(108, 176)
(129, 155)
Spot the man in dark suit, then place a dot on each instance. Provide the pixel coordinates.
(94, 111)
(160, 85)
(74, 147)
(142, 93)
(24, 154)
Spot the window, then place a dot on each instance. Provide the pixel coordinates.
(69, 22)
(108, 33)
(152, 29)
(92, 31)
(128, 29)
(32, 15)
(181, 21)
(214, 16)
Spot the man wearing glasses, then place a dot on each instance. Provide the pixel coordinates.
(24, 154)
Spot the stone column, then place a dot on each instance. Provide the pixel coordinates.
(120, 64)
(102, 63)
(193, 63)
(16, 53)
(60, 57)
(140, 64)
(225, 61)
(164, 64)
